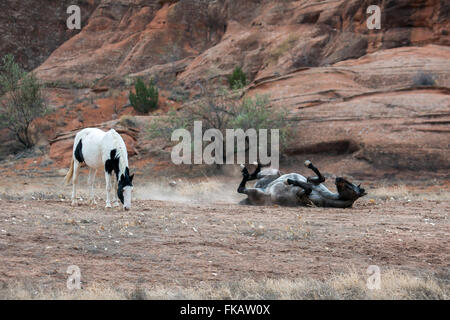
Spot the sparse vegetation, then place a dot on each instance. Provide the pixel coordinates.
(238, 79)
(22, 100)
(68, 84)
(308, 58)
(223, 110)
(422, 79)
(179, 95)
(282, 49)
(128, 121)
(146, 97)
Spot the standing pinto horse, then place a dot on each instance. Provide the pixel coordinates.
(99, 149)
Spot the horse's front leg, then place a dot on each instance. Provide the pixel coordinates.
(115, 187)
(315, 180)
(108, 189)
(255, 196)
(76, 172)
(245, 177)
(91, 180)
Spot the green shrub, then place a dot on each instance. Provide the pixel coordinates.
(238, 79)
(146, 98)
(22, 100)
(422, 79)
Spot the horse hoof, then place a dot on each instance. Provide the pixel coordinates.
(116, 204)
(108, 206)
(307, 163)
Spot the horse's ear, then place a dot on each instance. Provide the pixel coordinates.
(131, 177)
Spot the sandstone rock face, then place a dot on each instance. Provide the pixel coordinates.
(378, 97)
(285, 36)
(373, 108)
(124, 37)
(32, 30)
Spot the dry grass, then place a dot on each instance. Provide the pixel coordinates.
(402, 192)
(351, 285)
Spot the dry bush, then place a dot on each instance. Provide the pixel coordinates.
(22, 102)
(221, 110)
(128, 121)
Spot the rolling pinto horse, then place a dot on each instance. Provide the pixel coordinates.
(293, 189)
(101, 150)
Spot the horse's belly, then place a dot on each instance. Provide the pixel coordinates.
(92, 152)
(283, 194)
(316, 198)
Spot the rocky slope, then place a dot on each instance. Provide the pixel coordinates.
(32, 30)
(379, 99)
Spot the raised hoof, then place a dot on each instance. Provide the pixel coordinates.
(307, 163)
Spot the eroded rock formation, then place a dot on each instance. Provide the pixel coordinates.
(380, 97)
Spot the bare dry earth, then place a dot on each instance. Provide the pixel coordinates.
(173, 243)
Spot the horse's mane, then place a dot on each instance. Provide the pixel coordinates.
(121, 151)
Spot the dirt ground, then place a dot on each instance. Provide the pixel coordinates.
(211, 239)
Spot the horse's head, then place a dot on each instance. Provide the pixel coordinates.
(125, 186)
(348, 190)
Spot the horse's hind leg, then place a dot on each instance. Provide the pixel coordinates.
(76, 172)
(254, 175)
(245, 178)
(255, 196)
(91, 180)
(315, 180)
